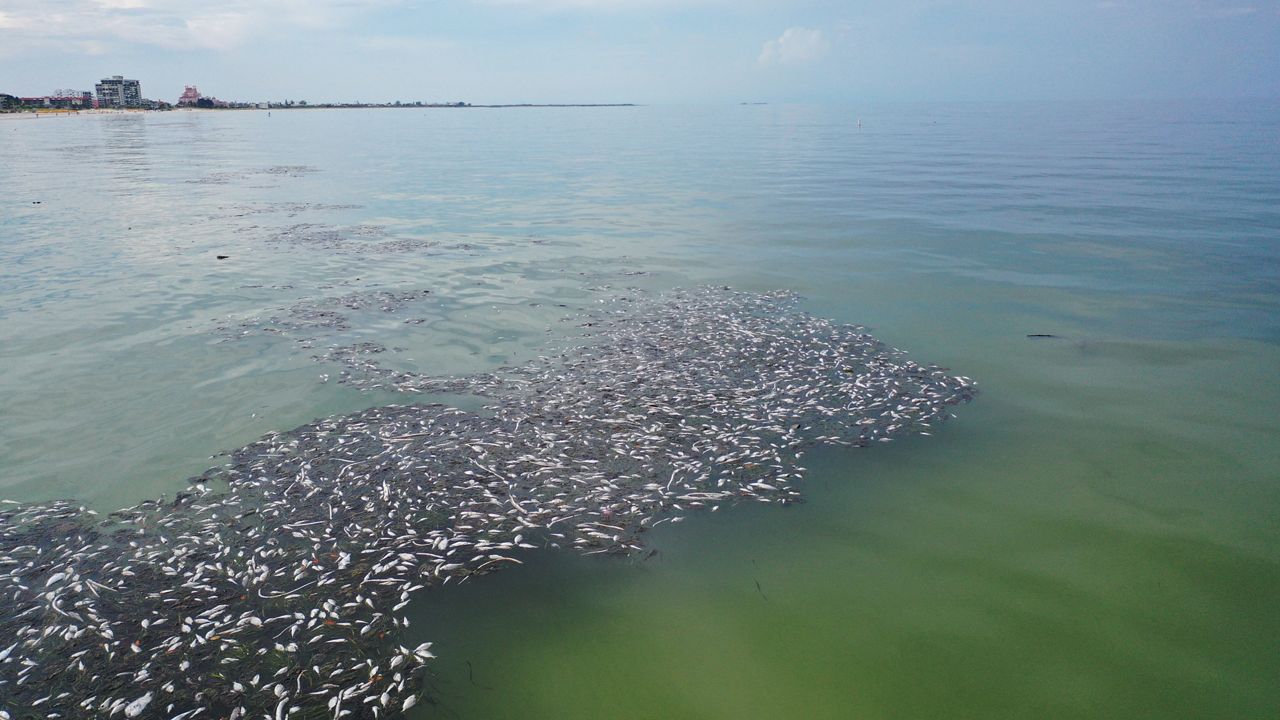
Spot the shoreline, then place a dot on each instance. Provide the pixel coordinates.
(37, 114)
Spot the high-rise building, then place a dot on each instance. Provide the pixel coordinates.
(117, 92)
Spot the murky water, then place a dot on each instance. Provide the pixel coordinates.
(1094, 536)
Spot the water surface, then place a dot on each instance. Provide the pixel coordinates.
(1094, 537)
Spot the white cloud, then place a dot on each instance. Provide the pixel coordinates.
(404, 44)
(595, 5)
(1237, 11)
(122, 4)
(10, 22)
(218, 30)
(93, 47)
(173, 24)
(795, 46)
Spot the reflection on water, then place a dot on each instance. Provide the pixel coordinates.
(1095, 537)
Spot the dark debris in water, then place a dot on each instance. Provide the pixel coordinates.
(281, 594)
(289, 209)
(356, 239)
(227, 177)
(321, 315)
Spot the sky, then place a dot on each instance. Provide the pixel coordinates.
(647, 51)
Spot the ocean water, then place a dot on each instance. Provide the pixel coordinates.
(1097, 535)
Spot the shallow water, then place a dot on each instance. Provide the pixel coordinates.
(1094, 536)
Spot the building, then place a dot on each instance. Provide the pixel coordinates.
(190, 97)
(60, 100)
(117, 92)
(70, 99)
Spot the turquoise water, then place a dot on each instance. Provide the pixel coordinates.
(1095, 536)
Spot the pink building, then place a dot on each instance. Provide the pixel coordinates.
(190, 96)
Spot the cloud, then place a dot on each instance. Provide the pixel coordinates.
(122, 4)
(795, 46)
(173, 24)
(404, 44)
(1236, 11)
(596, 5)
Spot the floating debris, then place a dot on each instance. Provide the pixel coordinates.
(289, 209)
(326, 235)
(274, 585)
(353, 239)
(310, 316)
(226, 177)
(289, 170)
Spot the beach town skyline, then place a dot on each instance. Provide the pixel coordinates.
(120, 93)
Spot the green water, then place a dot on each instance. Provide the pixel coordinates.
(1095, 536)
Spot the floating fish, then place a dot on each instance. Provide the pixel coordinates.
(272, 583)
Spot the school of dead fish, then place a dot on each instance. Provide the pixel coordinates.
(274, 586)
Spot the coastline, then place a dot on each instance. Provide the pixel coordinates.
(37, 114)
